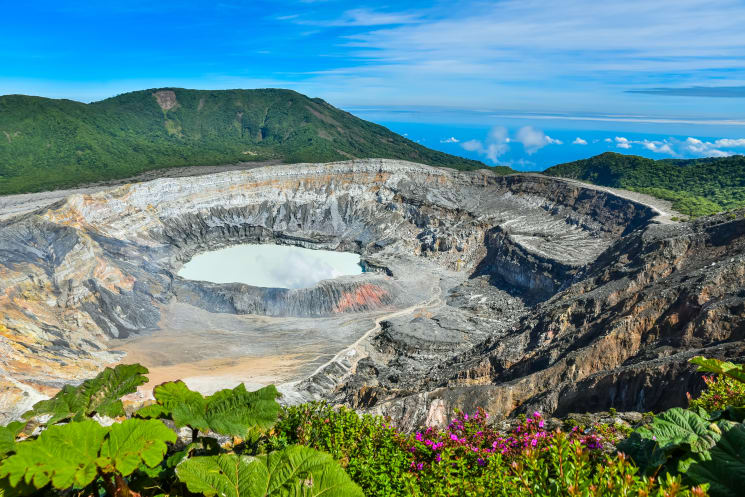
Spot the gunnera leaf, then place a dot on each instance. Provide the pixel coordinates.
(734, 371)
(133, 443)
(675, 438)
(8, 436)
(232, 412)
(100, 395)
(725, 471)
(296, 470)
(235, 412)
(64, 455)
(677, 426)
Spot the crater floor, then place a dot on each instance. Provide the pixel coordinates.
(473, 281)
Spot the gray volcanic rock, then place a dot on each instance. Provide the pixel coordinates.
(619, 337)
(481, 289)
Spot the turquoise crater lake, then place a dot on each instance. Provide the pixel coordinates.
(271, 266)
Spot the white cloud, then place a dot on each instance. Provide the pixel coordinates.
(608, 140)
(660, 147)
(622, 142)
(473, 146)
(496, 144)
(498, 141)
(452, 139)
(730, 143)
(690, 147)
(579, 141)
(534, 139)
(707, 149)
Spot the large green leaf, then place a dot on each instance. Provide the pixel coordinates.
(734, 371)
(677, 426)
(228, 412)
(135, 442)
(8, 436)
(101, 395)
(725, 471)
(63, 455)
(235, 412)
(295, 471)
(676, 438)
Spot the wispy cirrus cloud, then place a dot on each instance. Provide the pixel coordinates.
(531, 52)
(696, 91)
(362, 17)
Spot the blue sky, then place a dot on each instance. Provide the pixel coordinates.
(518, 77)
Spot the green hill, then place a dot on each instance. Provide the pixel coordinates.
(696, 187)
(47, 144)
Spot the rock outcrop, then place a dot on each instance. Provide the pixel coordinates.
(506, 292)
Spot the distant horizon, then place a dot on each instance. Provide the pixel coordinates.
(534, 142)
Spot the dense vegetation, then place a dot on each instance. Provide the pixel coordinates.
(239, 443)
(696, 187)
(47, 144)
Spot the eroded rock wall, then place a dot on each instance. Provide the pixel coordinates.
(619, 337)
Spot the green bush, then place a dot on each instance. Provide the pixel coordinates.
(368, 448)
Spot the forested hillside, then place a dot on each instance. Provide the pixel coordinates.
(696, 187)
(47, 144)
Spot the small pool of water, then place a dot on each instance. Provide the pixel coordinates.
(272, 266)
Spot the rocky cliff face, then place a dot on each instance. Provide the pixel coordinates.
(506, 292)
(619, 336)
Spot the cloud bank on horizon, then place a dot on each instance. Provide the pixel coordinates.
(517, 147)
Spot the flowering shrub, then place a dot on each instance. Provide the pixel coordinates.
(470, 458)
(720, 392)
(472, 438)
